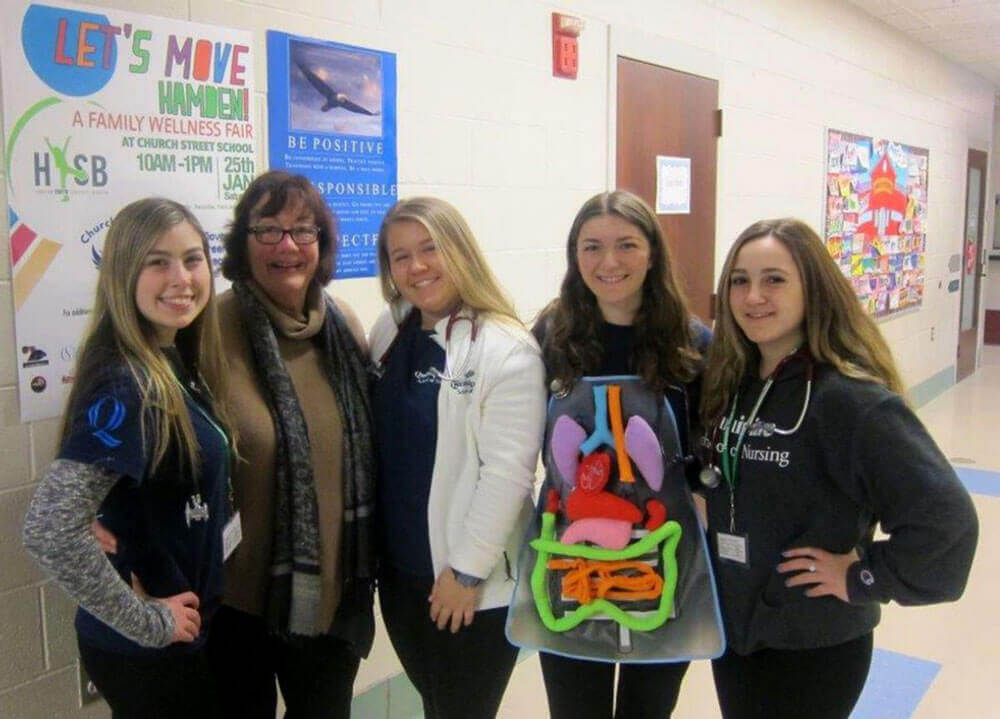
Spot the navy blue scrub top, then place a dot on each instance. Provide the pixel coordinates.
(162, 536)
(406, 398)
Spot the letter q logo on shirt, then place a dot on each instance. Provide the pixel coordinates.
(105, 421)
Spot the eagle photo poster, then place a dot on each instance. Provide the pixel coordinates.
(332, 118)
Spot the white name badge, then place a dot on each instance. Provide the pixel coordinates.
(732, 547)
(232, 535)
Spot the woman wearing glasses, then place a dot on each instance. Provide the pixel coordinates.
(298, 592)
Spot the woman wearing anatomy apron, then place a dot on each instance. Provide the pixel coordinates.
(620, 311)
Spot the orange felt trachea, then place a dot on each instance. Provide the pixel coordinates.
(618, 432)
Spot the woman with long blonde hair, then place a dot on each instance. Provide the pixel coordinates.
(459, 409)
(810, 445)
(145, 447)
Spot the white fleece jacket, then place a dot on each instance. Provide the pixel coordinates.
(491, 417)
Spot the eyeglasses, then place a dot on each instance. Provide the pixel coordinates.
(272, 234)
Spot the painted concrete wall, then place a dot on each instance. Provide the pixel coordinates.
(483, 123)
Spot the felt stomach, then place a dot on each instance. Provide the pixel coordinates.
(608, 533)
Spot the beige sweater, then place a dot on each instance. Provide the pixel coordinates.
(248, 569)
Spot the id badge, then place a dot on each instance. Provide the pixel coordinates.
(232, 535)
(733, 548)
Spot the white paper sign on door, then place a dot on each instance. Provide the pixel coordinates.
(673, 185)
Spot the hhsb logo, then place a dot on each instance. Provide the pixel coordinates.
(57, 167)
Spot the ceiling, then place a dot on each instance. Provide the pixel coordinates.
(966, 31)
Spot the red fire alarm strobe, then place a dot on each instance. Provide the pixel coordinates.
(565, 52)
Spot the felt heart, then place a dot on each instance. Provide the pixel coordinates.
(593, 472)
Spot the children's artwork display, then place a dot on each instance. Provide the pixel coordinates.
(876, 218)
(615, 565)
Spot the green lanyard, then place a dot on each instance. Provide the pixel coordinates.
(731, 465)
(225, 443)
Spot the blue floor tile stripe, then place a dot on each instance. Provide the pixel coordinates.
(980, 481)
(896, 684)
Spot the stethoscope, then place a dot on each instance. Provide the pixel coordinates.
(460, 356)
(711, 475)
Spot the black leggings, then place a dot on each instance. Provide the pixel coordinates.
(177, 686)
(822, 683)
(316, 674)
(581, 689)
(459, 676)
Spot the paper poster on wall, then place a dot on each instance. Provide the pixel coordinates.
(332, 117)
(103, 107)
(673, 185)
(876, 218)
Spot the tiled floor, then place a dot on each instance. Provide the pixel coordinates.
(931, 662)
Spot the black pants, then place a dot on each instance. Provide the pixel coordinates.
(172, 687)
(822, 683)
(316, 675)
(459, 676)
(581, 689)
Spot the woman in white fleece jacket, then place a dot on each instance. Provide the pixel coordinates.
(460, 409)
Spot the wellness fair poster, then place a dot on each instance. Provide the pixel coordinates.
(876, 218)
(103, 107)
(332, 117)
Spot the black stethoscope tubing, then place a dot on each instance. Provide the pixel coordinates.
(711, 475)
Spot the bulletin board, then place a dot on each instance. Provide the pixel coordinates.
(876, 218)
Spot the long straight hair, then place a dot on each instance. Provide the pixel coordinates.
(461, 257)
(839, 332)
(664, 351)
(119, 332)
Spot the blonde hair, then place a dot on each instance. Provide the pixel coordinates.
(119, 332)
(460, 254)
(838, 331)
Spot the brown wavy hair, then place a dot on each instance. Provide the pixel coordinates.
(665, 349)
(838, 331)
(277, 189)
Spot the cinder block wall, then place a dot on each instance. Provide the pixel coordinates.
(484, 124)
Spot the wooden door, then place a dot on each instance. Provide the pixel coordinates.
(972, 263)
(665, 112)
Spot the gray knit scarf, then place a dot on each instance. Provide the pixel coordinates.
(293, 599)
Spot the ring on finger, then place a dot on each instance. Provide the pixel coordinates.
(812, 567)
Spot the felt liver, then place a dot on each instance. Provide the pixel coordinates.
(582, 505)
